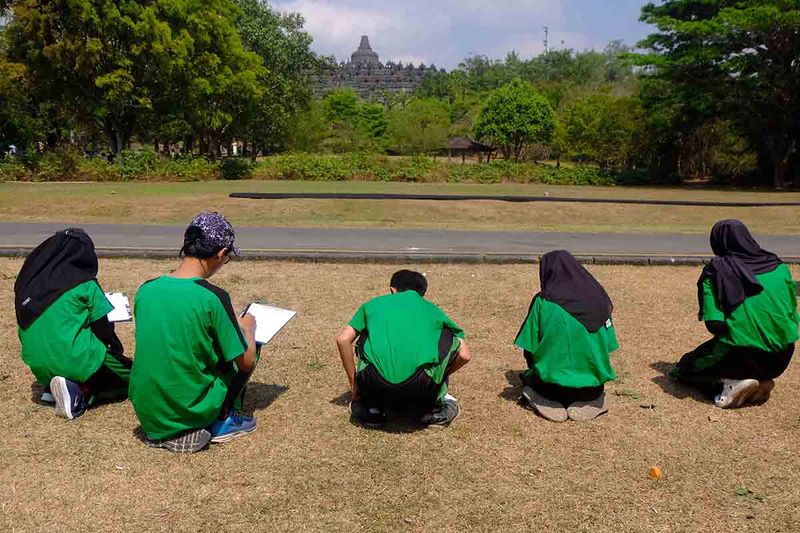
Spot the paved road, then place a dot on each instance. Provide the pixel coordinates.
(366, 244)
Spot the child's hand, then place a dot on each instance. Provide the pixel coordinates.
(248, 323)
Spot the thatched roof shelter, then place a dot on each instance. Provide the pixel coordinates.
(463, 146)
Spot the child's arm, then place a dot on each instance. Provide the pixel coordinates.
(246, 362)
(344, 342)
(104, 330)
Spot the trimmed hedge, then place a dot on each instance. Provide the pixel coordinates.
(320, 167)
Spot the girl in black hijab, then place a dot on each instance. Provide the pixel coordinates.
(748, 301)
(67, 340)
(566, 339)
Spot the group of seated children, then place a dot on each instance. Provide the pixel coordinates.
(194, 355)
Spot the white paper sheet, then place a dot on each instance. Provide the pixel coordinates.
(269, 320)
(122, 307)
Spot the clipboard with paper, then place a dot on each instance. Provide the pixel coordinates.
(122, 307)
(269, 320)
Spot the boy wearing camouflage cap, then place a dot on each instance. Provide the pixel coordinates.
(193, 355)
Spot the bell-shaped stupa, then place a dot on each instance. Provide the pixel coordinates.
(365, 55)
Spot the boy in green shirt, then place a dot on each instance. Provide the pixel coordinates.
(405, 350)
(67, 340)
(193, 355)
(748, 301)
(567, 339)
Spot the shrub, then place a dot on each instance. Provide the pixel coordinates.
(12, 169)
(235, 169)
(61, 164)
(184, 168)
(98, 169)
(135, 163)
(313, 167)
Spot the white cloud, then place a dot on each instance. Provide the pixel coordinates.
(442, 32)
(335, 25)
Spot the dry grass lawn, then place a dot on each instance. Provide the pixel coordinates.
(176, 203)
(498, 468)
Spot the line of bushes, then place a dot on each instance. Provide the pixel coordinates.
(68, 164)
(320, 167)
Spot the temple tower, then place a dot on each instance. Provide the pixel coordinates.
(365, 55)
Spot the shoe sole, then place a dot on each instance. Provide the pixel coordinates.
(60, 392)
(370, 425)
(230, 436)
(763, 393)
(446, 424)
(741, 395)
(538, 403)
(194, 444)
(585, 414)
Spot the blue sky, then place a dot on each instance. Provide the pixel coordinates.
(445, 31)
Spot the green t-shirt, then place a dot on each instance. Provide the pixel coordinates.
(60, 342)
(403, 332)
(187, 335)
(767, 321)
(564, 352)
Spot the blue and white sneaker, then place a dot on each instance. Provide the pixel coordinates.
(70, 402)
(234, 426)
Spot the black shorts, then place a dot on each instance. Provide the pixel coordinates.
(737, 363)
(419, 392)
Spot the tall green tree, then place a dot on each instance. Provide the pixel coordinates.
(513, 116)
(602, 128)
(80, 53)
(221, 77)
(734, 59)
(285, 49)
(133, 67)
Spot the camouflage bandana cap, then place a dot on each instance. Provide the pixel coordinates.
(217, 231)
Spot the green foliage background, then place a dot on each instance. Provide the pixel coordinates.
(710, 94)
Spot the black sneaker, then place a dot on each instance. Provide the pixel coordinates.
(189, 442)
(443, 414)
(367, 416)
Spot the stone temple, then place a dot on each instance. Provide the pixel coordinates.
(369, 77)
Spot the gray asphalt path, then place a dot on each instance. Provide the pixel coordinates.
(397, 244)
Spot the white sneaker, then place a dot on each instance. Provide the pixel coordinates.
(735, 392)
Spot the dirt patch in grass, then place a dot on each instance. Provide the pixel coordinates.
(499, 468)
(176, 203)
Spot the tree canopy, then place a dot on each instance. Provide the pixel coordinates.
(178, 70)
(515, 115)
(732, 59)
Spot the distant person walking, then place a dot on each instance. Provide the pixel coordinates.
(567, 339)
(67, 340)
(748, 301)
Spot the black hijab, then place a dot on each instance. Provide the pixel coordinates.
(733, 271)
(566, 282)
(60, 263)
